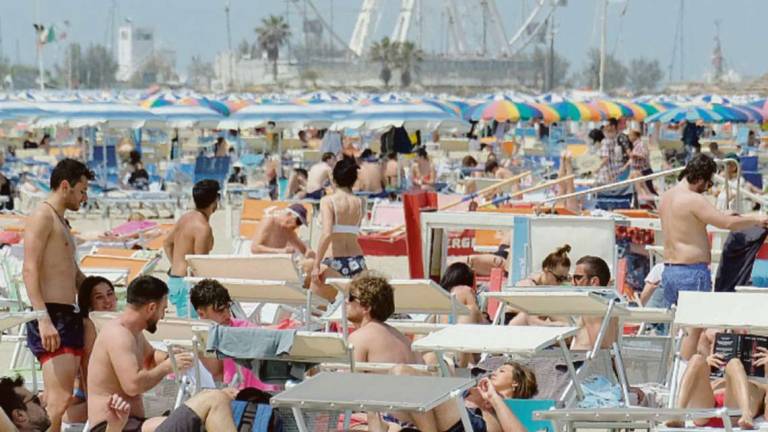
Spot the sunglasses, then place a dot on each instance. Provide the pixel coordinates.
(559, 278)
(579, 277)
(352, 298)
(34, 399)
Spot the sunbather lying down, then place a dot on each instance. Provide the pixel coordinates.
(736, 390)
(485, 403)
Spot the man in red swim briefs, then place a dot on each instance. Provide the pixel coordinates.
(52, 277)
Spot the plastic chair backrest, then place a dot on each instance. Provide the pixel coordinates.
(212, 168)
(524, 409)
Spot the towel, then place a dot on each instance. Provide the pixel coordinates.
(259, 350)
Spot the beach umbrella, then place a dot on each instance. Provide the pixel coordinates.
(387, 111)
(211, 104)
(283, 114)
(730, 114)
(504, 110)
(21, 111)
(110, 115)
(612, 109)
(690, 113)
(334, 106)
(713, 99)
(188, 116)
(755, 114)
(577, 111)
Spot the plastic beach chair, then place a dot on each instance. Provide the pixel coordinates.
(524, 409)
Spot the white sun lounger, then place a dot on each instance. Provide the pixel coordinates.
(372, 392)
(268, 291)
(506, 340)
(631, 418)
(411, 296)
(9, 320)
(274, 267)
(751, 289)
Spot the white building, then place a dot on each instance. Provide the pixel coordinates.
(135, 46)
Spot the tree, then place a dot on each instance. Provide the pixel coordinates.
(385, 53)
(408, 58)
(94, 68)
(538, 60)
(309, 75)
(156, 69)
(644, 75)
(273, 33)
(200, 73)
(243, 49)
(615, 71)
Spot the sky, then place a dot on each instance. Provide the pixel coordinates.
(636, 28)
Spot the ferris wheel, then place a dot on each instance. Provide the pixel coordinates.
(458, 25)
(459, 19)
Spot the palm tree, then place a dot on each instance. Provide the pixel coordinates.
(385, 53)
(273, 33)
(408, 58)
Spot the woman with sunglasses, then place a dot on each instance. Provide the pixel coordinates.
(97, 294)
(555, 270)
(485, 403)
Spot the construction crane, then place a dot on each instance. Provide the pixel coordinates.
(363, 27)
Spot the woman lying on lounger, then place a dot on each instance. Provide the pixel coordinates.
(734, 391)
(485, 403)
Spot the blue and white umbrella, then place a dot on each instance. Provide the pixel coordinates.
(713, 99)
(21, 111)
(337, 107)
(691, 114)
(188, 116)
(77, 115)
(387, 111)
(284, 115)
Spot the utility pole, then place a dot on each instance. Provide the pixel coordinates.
(551, 56)
(603, 34)
(330, 36)
(230, 54)
(39, 44)
(485, 22)
(682, 40)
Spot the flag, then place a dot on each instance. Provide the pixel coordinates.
(50, 34)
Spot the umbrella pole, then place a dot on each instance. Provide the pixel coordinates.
(105, 133)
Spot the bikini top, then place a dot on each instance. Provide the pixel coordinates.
(345, 229)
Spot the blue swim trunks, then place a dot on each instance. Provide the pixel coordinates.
(684, 277)
(178, 295)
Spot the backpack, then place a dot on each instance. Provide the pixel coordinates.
(251, 412)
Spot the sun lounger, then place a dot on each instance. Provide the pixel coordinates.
(751, 289)
(134, 266)
(273, 267)
(268, 291)
(411, 296)
(372, 392)
(632, 418)
(9, 320)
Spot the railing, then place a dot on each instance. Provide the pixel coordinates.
(614, 185)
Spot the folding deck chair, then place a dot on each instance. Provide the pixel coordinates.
(372, 392)
(272, 267)
(267, 291)
(9, 320)
(134, 266)
(574, 301)
(504, 340)
(422, 296)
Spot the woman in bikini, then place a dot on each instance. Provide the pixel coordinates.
(339, 254)
(96, 294)
(554, 271)
(485, 403)
(423, 171)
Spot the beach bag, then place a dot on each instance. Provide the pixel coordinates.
(251, 412)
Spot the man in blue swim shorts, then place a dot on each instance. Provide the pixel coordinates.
(192, 235)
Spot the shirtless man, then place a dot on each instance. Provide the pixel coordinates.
(393, 172)
(276, 233)
(319, 176)
(52, 278)
(592, 271)
(370, 177)
(685, 214)
(370, 302)
(192, 235)
(121, 346)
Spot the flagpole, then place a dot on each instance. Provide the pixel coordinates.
(39, 47)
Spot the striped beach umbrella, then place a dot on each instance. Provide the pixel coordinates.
(577, 111)
(690, 113)
(504, 110)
